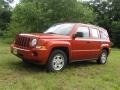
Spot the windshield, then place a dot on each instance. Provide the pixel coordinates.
(61, 29)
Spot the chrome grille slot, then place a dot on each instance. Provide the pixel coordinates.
(22, 41)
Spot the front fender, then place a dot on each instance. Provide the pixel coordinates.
(57, 44)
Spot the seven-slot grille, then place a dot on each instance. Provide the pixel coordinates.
(22, 41)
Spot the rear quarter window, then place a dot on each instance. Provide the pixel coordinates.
(103, 34)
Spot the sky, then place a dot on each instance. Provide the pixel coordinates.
(15, 2)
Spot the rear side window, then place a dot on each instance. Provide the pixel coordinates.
(103, 34)
(94, 33)
(84, 30)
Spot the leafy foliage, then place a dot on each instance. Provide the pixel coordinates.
(116, 33)
(37, 15)
(4, 15)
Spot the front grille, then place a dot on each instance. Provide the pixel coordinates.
(22, 41)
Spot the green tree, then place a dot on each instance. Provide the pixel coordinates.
(107, 15)
(101, 13)
(115, 25)
(116, 33)
(37, 15)
(4, 16)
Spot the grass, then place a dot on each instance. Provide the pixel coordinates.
(15, 75)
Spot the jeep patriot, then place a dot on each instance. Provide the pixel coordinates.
(62, 44)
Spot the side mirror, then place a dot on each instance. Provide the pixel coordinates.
(78, 34)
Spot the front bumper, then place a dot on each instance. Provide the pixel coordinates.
(33, 55)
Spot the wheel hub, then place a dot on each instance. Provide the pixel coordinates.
(58, 62)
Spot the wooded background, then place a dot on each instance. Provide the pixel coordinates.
(37, 15)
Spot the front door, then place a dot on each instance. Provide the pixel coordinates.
(81, 46)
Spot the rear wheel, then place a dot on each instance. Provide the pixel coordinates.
(56, 61)
(103, 57)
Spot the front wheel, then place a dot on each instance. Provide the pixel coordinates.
(56, 61)
(103, 57)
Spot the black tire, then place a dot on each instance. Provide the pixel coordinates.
(100, 59)
(53, 56)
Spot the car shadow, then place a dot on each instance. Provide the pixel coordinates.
(82, 63)
(30, 67)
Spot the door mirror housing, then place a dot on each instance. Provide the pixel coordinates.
(78, 34)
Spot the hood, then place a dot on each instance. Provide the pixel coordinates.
(46, 36)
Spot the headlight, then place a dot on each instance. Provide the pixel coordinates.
(33, 42)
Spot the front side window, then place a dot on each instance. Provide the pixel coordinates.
(94, 33)
(84, 31)
(60, 29)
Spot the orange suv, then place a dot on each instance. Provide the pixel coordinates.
(62, 44)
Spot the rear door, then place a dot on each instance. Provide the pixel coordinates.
(95, 42)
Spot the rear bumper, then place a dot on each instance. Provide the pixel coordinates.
(34, 55)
